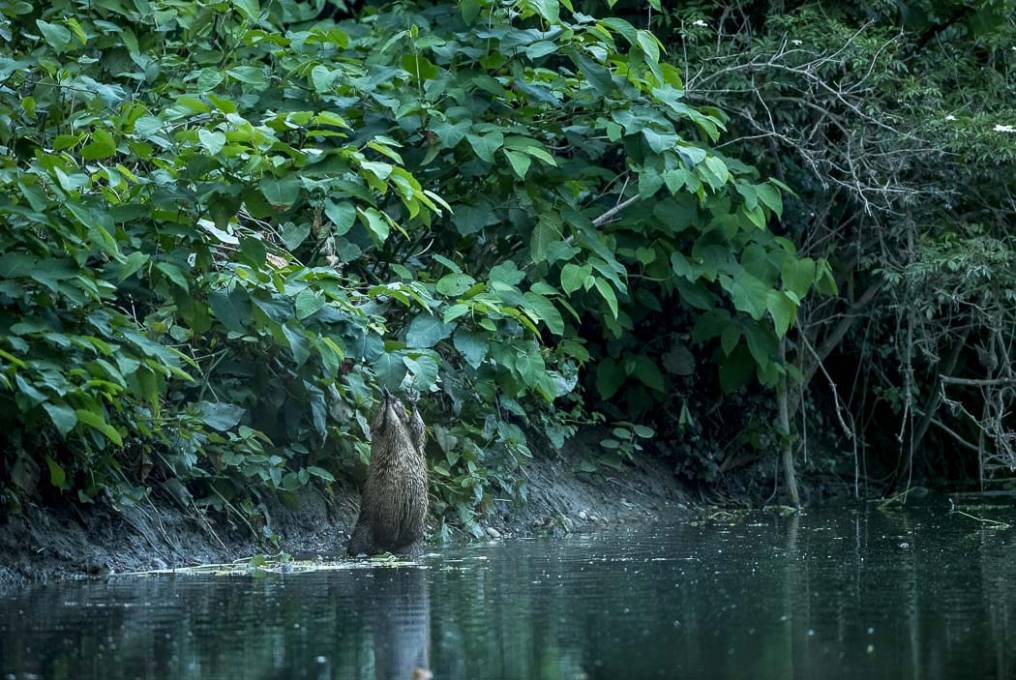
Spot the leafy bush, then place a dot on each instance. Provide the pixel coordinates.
(227, 224)
(894, 123)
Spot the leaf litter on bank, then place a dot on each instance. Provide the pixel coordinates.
(280, 564)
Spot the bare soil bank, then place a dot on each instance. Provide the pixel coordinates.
(75, 540)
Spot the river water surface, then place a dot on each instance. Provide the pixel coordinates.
(846, 593)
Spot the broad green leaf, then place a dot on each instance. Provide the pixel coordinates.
(212, 140)
(450, 264)
(531, 367)
(729, 338)
(307, 303)
(250, 9)
(782, 309)
(220, 416)
(825, 282)
(63, 417)
(294, 233)
(251, 75)
(102, 146)
(608, 294)
(276, 307)
(762, 344)
(621, 26)
(470, 10)
(595, 74)
(323, 80)
(390, 369)
(454, 284)
(756, 216)
(472, 346)
(544, 310)
(798, 275)
(281, 192)
(520, 162)
(131, 265)
(174, 274)
(232, 310)
(97, 422)
(380, 170)
(648, 373)
(253, 251)
(546, 232)
(426, 330)
(548, 9)
(573, 277)
(375, 222)
(420, 67)
(57, 36)
(453, 312)
(469, 219)
(610, 376)
(718, 168)
(650, 46)
(736, 370)
(507, 272)
(451, 134)
(650, 182)
(541, 48)
(660, 141)
(423, 371)
(320, 473)
(486, 144)
(57, 476)
(770, 196)
(342, 216)
(748, 294)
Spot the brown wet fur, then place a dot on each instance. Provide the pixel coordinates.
(393, 504)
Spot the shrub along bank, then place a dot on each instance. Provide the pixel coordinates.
(227, 224)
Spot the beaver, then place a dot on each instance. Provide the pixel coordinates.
(393, 504)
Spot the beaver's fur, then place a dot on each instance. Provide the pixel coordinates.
(393, 504)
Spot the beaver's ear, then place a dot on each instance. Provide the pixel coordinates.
(379, 419)
(398, 408)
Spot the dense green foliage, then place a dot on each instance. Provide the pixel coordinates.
(227, 224)
(895, 122)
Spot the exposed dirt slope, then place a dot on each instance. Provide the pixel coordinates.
(46, 543)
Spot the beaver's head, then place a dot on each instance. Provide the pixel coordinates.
(390, 417)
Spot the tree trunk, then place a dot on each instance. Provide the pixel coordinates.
(789, 475)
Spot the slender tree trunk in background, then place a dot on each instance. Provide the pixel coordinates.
(809, 364)
(935, 397)
(789, 475)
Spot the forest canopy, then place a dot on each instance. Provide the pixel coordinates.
(226, 225)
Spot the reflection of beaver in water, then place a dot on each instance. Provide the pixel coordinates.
(393, 504)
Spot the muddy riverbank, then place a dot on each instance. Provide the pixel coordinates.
(75, 540)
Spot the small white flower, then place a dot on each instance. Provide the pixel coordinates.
(796, 42)
(950, 117)
(699, 22)
(1004, 128)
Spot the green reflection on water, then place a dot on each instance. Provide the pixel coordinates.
(831, 594)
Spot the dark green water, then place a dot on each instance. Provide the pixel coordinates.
(831, 594)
